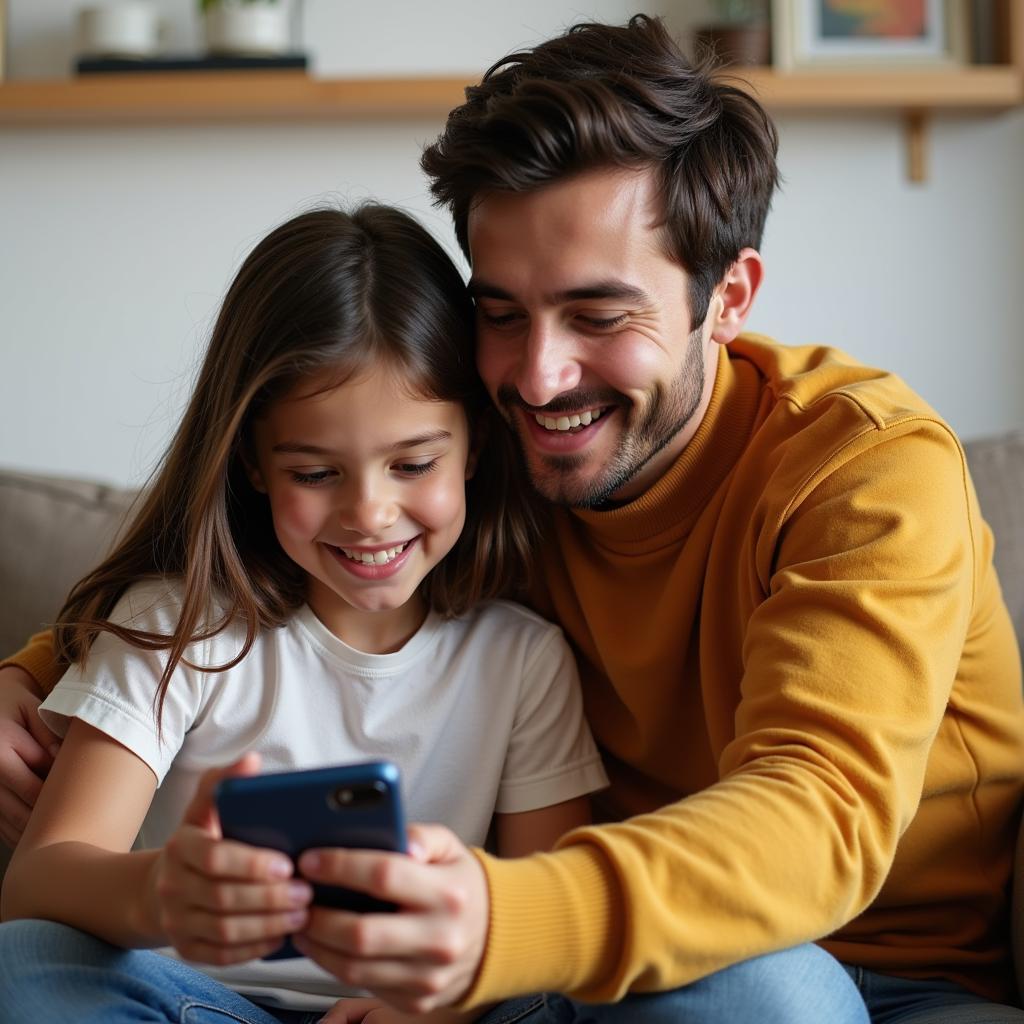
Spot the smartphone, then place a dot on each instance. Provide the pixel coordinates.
(358, 806)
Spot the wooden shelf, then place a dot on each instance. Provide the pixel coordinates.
(989, 87)
(223, 95)
(287, 95)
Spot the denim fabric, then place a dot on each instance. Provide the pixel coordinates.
(903, 1001)
(803, 985)
(52, 974)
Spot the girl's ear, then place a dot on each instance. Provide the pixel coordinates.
(479, 431)
(252, 470)
(255, 477)
(735, 295)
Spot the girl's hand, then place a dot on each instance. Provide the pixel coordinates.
(373, 1011)
(355, 1011)
(218, 901)
(27, 749)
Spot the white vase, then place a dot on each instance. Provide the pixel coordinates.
(122, 29)
(251, 29)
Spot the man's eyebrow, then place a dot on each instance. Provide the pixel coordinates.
(300, 448)
(480, 288)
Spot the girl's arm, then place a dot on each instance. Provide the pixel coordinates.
(534, 831)
(73, 864)
(213, 900)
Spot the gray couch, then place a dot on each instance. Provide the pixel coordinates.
(52, 530)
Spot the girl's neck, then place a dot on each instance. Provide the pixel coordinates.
(382, 632)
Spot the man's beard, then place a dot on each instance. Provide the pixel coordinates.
(554, 477)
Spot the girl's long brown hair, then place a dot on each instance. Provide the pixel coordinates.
(327, 290)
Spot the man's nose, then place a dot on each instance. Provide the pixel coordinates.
(549, 364)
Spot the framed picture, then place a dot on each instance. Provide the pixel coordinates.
(819, 34)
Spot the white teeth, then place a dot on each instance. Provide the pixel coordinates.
(563, 423)
(375, 557)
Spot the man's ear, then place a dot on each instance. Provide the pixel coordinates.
(734, 295)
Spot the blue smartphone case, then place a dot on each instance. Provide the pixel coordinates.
(357, 806)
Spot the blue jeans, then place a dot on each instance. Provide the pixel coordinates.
(803, 985)
(901, 1001)
(52, 973)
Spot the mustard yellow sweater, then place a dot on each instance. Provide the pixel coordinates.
(806, 686)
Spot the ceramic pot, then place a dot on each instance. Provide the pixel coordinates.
(131, 28)
(251, 29)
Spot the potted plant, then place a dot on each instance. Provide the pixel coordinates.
(245, 27)
(740, 33)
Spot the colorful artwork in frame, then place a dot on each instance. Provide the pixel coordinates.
(816, 34)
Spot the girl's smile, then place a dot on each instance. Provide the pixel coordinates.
(373, 563)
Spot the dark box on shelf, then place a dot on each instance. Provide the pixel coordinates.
(113, 65)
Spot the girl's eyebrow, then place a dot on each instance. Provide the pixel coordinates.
(299, 448)
(430, 437)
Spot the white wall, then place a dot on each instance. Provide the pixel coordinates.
(116, 242)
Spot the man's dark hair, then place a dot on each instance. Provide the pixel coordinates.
(603, 95)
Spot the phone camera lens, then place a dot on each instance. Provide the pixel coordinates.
(347, 797)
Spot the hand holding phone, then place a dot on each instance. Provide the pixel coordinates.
(357, 806)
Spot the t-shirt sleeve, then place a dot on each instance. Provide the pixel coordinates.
(551, 754)
(115, 688)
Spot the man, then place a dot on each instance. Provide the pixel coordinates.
(773, 568)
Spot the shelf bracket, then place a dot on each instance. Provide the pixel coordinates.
(915, 128)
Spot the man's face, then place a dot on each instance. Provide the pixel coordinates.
(584, 337)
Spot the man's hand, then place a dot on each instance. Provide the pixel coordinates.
(27, 749)
(218, 901)
(427, 954)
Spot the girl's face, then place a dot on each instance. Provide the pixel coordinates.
(367, 488)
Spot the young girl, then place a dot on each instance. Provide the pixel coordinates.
(306, 580)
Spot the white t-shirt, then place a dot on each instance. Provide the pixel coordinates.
(481, 714)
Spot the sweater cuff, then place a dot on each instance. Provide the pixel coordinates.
(39, 661)
(553, 925)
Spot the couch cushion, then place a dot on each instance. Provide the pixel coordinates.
(52, 531)
(997, 468)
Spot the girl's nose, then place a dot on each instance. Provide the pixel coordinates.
(369, 514)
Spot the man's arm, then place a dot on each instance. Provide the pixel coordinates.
(27, 747)
(37, 660)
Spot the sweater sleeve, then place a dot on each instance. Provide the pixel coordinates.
(867, 580)
(38, 659)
